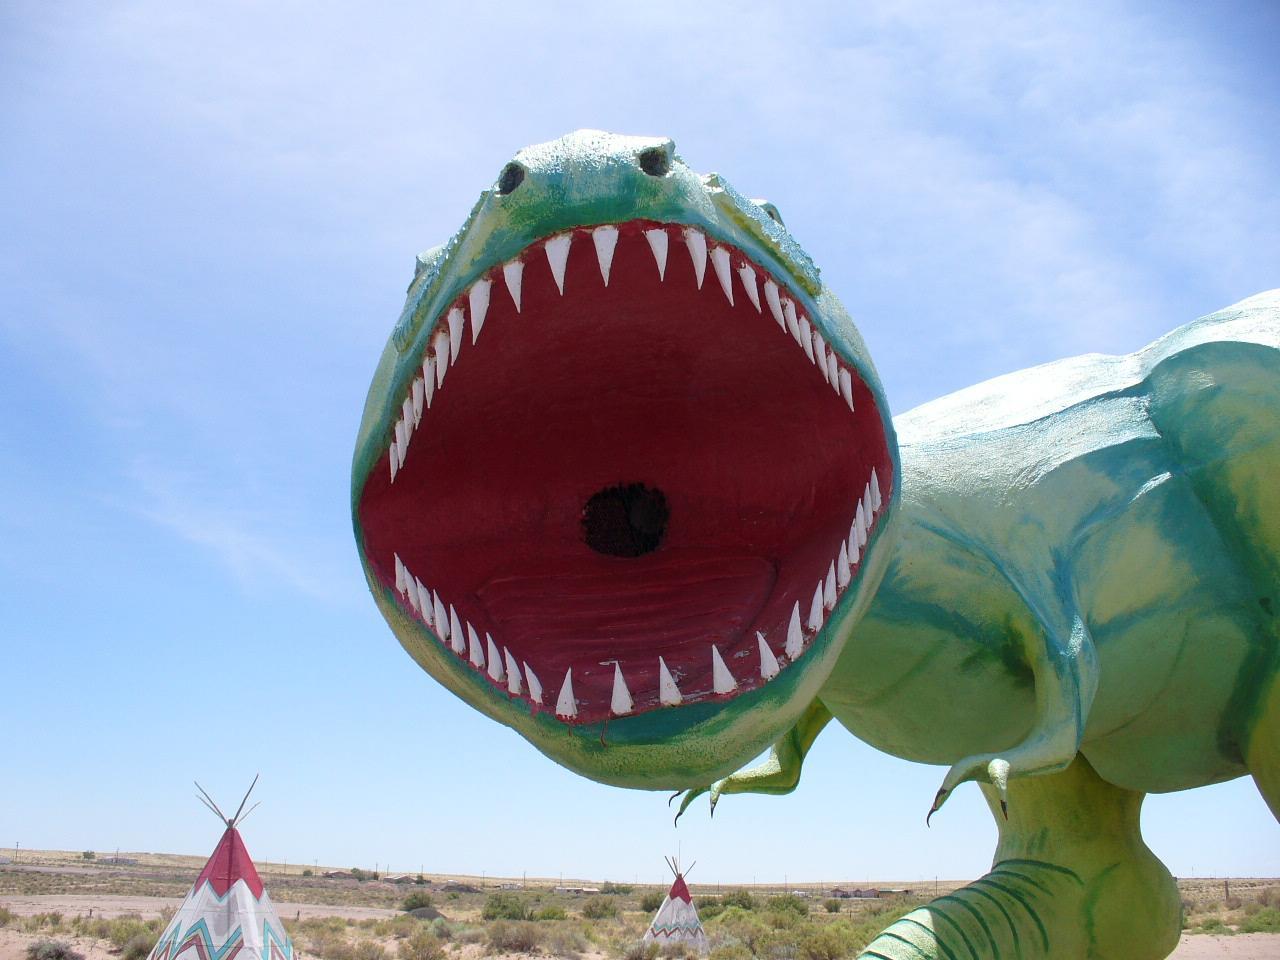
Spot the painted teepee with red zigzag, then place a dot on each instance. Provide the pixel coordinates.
(677, 919)
(227, 914)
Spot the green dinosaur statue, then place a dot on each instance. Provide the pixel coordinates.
(657, 518)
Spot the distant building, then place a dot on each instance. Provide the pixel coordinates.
(339, 875)
(577, 890)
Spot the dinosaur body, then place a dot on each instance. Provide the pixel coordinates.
(1060, 583)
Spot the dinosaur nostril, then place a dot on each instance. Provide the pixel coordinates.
(511, 177)
(655, 162)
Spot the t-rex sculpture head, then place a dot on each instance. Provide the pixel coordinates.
(625, 471)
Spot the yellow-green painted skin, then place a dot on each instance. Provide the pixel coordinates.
(1080, 567)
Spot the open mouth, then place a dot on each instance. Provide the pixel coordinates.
(630, 474)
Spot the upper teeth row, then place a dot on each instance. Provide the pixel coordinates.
(446, 342)
(520, 680)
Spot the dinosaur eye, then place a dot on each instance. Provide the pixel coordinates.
(655, 162)
(511, 177)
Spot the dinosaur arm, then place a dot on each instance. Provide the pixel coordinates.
(780, 773)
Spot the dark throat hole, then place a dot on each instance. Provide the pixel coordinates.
(627, 520)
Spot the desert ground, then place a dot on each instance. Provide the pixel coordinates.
(115, 911)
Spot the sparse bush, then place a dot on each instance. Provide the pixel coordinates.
(709, 907)
(514, 936)
(599, 908)
(470, 935)
(831, 906)
(7, 916)
(138, 947)
(829, 942)
(369, 950)
(1266, 920)
(416, 900)
(651, 901)
(129, 925)
(639, 950)
(423, 945)
(788, 903)
(442, 929)
(52, 950)
(88, 855)
(621, 889)
(505, 906)
(1214, 925)
(1269, 896)
(308, 872)
(550, 912)
(739, 898)
(731, 951)
(564, 941)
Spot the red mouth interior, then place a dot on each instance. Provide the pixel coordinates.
(699, 426)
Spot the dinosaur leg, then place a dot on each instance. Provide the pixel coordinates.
(1263, 753)
(781, 772)
(1065, 665)
(1071, 879)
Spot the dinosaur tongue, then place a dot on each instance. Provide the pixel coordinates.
(618, 486)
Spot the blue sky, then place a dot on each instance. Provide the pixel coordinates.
(210, 219)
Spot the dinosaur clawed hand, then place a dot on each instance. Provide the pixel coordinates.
(691, 795)
(984, 768)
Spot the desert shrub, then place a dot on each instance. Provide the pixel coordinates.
(829, 942)
(1269, 897)
(651, 901)
(308, 872)
(88, 855)
(599, 908)
(639, 950)
(514, 936)
(505, 906)
(1214, 925)
(709, 907)
(469, 935)
(731, 951)
(736, 925)
(565, 941)
(550, 912)
(415, 900)
(738, 898)
(442, 929)
(368, 950)
(41, 921)
(138, 947)
(7, 916)
(1232, 903)
(423, 945)
(621, 889)
(1266, 920)
(788, 903)
(831, 906)
(127, 926)
(52, 950)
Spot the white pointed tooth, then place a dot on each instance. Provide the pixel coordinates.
(842, 567)
(658, 244)
(456, 321)
(394, 459)
(793, 325)
(400, 581)
(697, 244)
(531, 681)
(775, 305)
(605, 239)
(846, 387)
(668, 692)
(457, 639)
(419, 399)
(853, 544)
(876, 500)
(440, 344)
(721, 679)
(833, 371)
(815, 609)
(424, 600)
(819, 351)
(402, 442)
(411, 593)
(829, 587)
(439, 617)
(748, 278)
(867, 510)
(428, 380)
(406, 414)
(496, 671)
(806, 339)
(478, 301)
(566, 706)
(860, 524)
(768, 662)
(795, 636)
(720, 260)
(513, 273)
(557, 249)
(621, 701)
(475, 649)
(513, 673)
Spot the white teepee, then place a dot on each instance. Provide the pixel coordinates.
(227, 911)
(677, 919)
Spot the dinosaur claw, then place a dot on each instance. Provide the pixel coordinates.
(1004, 808)
(672, 798)
(937, 804)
